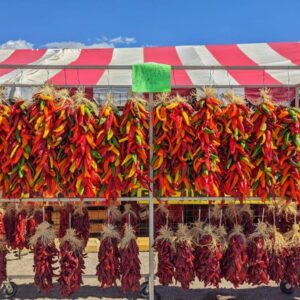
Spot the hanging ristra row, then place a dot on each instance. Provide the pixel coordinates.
(67, 146)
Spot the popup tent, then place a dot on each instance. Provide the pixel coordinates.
(244, 65)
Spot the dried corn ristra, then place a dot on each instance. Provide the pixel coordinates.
(107, 152)
(134, 146)
(18, 169)
(264, 154)
(234, 149)
(206, 161)
(173, 153)
(79, 167)
(43, 117)
(288, 143)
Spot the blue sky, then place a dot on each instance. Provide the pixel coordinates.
(123, 23)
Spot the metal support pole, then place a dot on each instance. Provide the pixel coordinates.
(151, 205)
(297, 104)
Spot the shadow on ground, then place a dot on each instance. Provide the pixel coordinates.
(28, 291)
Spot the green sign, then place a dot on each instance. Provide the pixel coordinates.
(151, 78)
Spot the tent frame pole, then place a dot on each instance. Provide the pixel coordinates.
(151, 204)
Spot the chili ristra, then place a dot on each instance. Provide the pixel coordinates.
(184, 257)
(130, 265)
(206, 161)
(71, 263)
(164, 245)
(45, 256)
(235, 261)
(108, 268)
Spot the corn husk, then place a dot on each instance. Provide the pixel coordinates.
(115, 213)
(166, 234)
(231, 98)
(44, 233)
(237, 230)
(79, 209)
(74, 241)
(293, 236)
(196, 231)
(213, 245)
(129, 235)
(279, 242)
(221, 233)
(262, 231)
(183, 234)
(80, 98)
(109, 232)
(129, 210)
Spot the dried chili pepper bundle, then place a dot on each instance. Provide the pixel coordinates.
(206, 161)
(45, 256)
(60, 140)
(173, 152)
(20, 229)
(71, 263)
(43, 117)
(163, 177)
(245, 216)
(184, 258)
(292, 274)
(164, 245)
(236, 164)
(107, 153)
(108, 268)
(4, 130)
(278, 255)
(286, 214)
(3, 260)
(209, 261)
(161, 215)
(10, 218)
(65, 215)
(81, 224)
(264, 154)
(134, 146)
(79, 169)
(18, 168)
(130, 265)
(258, 258)
(287, 137)
(235, 260)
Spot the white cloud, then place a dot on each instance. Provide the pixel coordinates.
(104, 42)
(16, 44)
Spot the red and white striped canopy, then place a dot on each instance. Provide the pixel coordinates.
(264, 54)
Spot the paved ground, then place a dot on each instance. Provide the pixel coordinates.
(26, 290)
